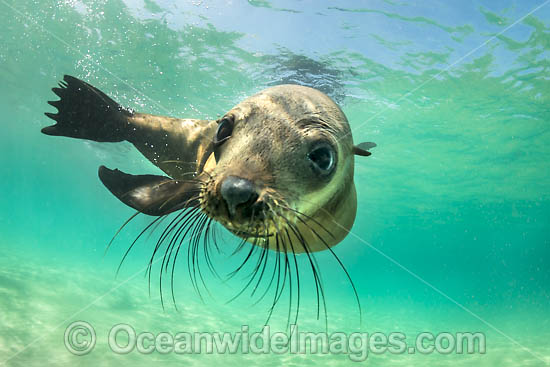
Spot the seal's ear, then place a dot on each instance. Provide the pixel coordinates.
(363, 148)
(149, 194)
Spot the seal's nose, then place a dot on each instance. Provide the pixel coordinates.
(238, 191)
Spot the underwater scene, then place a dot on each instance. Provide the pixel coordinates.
(447, 260)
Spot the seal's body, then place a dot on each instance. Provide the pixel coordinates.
(276, 170)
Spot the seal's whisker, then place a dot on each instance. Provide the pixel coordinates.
(274, 268)
(174, 264)
(206, 173)
(287, 274)
(313, 263)
(277, 262)
(119, 230)
(206, 248)
(290, 282)
(174, 197)
(251, 278)
(191, 253)
(213, 235)
(162, 237)
(186, 218)
(175, 161)
(286, 269)
(241, 245)
(155, 227)
(318, 284)
(311, 258)
(189, 216)
(134, 242)
(169, 228)
(311, 229)
(277, 269)
(265, 256)
(154, 223)
(192, 250)
(263, 246)
(199, 232)
(200, 183)
(341, 266)
(192, 266)
(185, 228)
(262, 249)
(309, 218)
(173, 226)
(278, 248)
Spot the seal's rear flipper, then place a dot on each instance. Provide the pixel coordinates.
(149, 194)
(86, 112)
(363, 148)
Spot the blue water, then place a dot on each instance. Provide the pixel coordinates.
(452, 232)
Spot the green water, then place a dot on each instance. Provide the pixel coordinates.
(452, 232)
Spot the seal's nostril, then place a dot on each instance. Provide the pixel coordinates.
(236, 191)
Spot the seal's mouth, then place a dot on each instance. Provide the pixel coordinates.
(245, 234)
(249, 225)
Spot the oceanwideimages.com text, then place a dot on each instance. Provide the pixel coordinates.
(80, 339)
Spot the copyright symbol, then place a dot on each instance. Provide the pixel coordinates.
(79, 338)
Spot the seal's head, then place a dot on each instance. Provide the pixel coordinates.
(282, 170)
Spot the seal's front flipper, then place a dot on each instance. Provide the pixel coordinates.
(363, 148)
(86, 112)
(150, 194)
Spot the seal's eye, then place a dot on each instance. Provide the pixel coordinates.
(225, 129)
(322, 157)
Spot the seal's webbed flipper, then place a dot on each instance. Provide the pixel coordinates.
(363, 148)
(149, 194)
(87, 113)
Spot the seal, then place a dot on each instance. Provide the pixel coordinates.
(276, 170)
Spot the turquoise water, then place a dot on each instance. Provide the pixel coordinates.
(452, 233)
